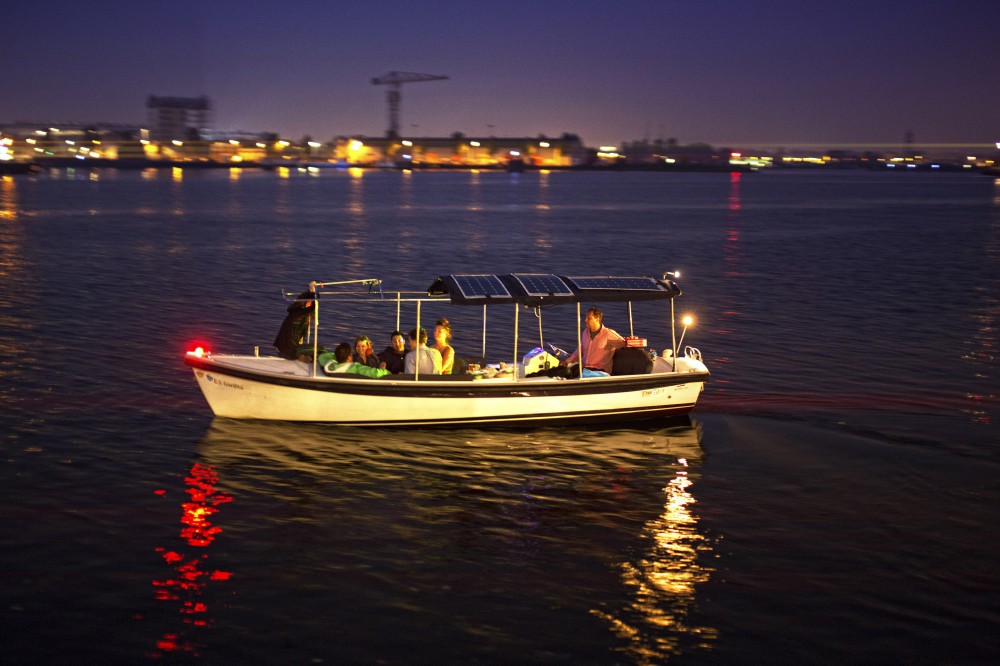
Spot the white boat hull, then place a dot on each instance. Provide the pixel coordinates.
(248, 387)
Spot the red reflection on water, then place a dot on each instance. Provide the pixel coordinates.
(980, 355)
(731, 303)
(187, 585)
(735, 200)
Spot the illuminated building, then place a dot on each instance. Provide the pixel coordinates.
(461, 150)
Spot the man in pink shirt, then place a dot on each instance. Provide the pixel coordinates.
(598, 344)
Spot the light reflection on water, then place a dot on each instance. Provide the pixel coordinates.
(491, 514)
(664, 579)
(192, 573)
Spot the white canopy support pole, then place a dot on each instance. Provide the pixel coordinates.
(416, 352)
(673, 336)
(399, 305)
(579, 340)
(517, 311)
(484, 333)
(315, 331)
(631, 331)
(541, 340)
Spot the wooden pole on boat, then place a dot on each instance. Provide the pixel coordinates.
(631, 331)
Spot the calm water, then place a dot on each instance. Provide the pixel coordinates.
(833, 499)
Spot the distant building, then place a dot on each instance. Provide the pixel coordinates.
(459, 149)
(178, 117)
(671, 152)
(32, 140)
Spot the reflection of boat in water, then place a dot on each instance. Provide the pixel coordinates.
(314, 448)
(516, 391)
(556, 522)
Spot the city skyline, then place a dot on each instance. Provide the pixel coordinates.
(726, 73)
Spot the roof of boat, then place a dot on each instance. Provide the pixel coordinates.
(536, 289)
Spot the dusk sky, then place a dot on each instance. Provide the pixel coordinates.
(780, 73)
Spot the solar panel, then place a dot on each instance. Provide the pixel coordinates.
(481, 286)
(617, 283)
(543, 285)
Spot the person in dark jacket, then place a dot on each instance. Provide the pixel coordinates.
(395, 354)
(295, 326)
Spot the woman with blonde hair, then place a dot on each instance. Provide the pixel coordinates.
(442, 336)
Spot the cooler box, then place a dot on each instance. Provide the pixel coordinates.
(632, 341)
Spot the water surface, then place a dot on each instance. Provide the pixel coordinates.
(832, 499)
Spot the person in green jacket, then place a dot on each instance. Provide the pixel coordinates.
(340, 362)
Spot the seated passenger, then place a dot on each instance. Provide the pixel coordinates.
(363, 352)
(393, 357)
(430, 358)
(342, 363)
(442, 336)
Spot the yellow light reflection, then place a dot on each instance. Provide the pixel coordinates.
(663, 580)
(8, 198)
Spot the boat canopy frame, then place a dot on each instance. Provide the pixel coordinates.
(530, 290)
(540, 289)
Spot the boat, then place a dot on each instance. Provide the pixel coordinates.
(13, 167)
(513, 391)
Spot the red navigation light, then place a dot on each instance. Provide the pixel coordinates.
(198, 348)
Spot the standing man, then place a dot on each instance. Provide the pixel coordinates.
(429, 358)
(598, 344)
(293, 330)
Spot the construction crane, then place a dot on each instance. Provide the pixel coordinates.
(395, 81)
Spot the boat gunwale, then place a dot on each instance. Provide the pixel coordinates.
(435, 387)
